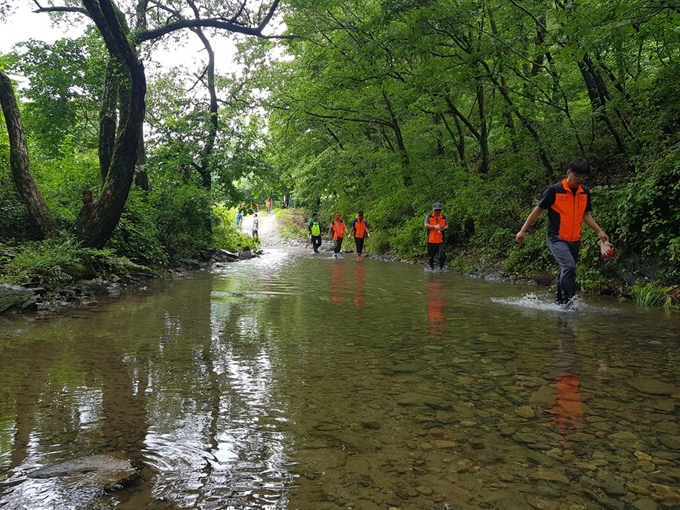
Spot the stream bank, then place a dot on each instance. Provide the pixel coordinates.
(50, 295)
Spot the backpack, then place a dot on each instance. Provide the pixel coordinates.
(315, 228)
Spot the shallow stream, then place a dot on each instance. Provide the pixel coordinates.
(295, 381)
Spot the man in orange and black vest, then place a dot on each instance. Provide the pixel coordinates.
(436, 224)
(568, 204)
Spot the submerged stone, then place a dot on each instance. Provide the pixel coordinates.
(672, 442)
(437, 445)
(104, 471)
(652, 386)
(525, 412)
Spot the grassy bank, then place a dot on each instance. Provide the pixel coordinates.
(292, 224)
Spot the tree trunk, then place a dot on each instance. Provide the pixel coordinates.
(598, 98)
(99, 226)
(108, 115)
(106, 213)
(397, 131)
(483, 130)
(213, 126)
(458, 137)
(18, 157)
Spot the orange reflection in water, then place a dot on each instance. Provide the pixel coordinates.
(359, 294)
(567, 408)
(337, 278)
(567, 405)
(435, 308)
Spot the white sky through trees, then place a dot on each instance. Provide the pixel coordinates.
(22, 24)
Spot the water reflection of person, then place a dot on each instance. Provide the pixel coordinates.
(359, 294)
(567, 407)
(435, 308)
(337, 277)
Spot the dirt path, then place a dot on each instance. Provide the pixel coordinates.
(268, 229)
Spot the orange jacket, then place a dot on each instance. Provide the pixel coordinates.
(338, 228)
(436, 236)
(359, 228)
(570, 209)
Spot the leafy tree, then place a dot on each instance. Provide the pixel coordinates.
(63, 92)
(394, 103)
(124, 91)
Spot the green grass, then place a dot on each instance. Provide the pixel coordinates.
(292, 224)
(652, 295)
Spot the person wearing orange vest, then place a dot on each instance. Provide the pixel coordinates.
(436, 224)
(568, 204)
(360, 232)
(338, 231)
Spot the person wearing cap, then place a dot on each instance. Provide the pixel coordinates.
(436, 225)
(568, 204)
(360, 232)
(315, 229)
(337, 230)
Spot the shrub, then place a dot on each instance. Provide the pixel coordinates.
(136, 235)
(225, 234)
(63, 260)
(183, 217)
(646, 215)
(411, 238)
(532, 257)
(52, 260)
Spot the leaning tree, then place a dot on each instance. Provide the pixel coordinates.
(125, 26)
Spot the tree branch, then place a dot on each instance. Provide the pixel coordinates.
(231, 25)
(79, 10)
(204, 23)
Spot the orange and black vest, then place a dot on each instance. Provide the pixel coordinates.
(359, 228)
(566, 212)
(435, 236)
(338, 229)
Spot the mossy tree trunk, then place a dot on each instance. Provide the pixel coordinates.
(18, 155)
(97, 227)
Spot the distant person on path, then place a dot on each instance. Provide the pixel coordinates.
(315, 228)
(239, 219)
(338, 231)
(568, 203)
(256, 224)
(360, 232)
(268, 205)
(436, 224)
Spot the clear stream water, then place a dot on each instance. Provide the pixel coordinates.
(296, 381)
